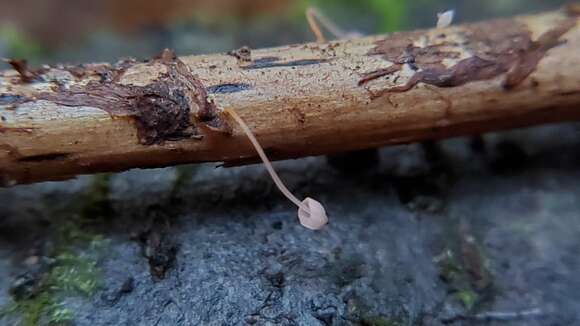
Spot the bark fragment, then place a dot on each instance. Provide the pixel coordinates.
(572, 9)
(528, 60)
(228, 88)
(161, 110)
(7, 99)
(493, 52)
(272, 62)
(26, 74)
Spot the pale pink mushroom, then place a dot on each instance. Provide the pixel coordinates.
(445, 19)
(311, 213)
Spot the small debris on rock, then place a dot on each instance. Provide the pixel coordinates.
(158, 247)
(29, 283)
(114, 296)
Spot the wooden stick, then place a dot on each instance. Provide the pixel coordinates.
(299, 100)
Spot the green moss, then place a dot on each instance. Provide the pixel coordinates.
(59, 315)
(30, 310)
(73, 269)
(40, 310)
(70, 274)
(449, 268)
(391, 13)
(379, 321)
(468, 280)
(73, 274)
(468, 298)
(360, 312)
(19, 45)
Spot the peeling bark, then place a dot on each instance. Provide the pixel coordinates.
(58, 122)
(479, 51)
(161, 109)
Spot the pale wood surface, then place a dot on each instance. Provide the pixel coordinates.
(295, 109)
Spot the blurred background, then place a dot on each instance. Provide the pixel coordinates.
(76, 31)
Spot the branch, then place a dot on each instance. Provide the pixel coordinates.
(299, 100)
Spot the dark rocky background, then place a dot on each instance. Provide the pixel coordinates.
(467, 231)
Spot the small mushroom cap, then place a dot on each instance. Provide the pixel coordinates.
(315, 218)
(445, 19)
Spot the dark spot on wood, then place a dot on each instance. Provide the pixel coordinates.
(267, 59)
(163, 114)
(395, 45)
(243, 54)
(402, 51)
(162, 110)
(572, 9)
(228, 88)
(44, 157)
(498, 47)
(464, 71)
(264, 64)
(378, 74)
(8, 99)
(271, 153)
(299, 115)
(105, 71)
(26, 74)
(528, 60)
(18, 130)
(119, 69)
(569, 93)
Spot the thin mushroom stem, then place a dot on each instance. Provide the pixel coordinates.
(311, 18)
(313, 15)
(266, 161)
(310, 212)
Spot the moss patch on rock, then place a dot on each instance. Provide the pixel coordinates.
(68, 265)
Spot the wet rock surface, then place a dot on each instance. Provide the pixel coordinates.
(430, 234)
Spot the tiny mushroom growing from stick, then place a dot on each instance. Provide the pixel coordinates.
(445, 19)
(311, 213)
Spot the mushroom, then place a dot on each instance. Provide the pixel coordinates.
(445, 19)
(311, 213)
